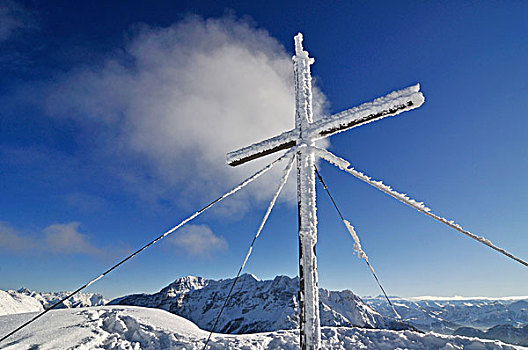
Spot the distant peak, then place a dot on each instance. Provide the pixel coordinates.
(249, 276)
(284, 277)
(189, 278)
(188, 283)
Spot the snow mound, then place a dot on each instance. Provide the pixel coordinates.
(128, 327)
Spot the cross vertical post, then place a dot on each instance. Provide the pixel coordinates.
(310, 329)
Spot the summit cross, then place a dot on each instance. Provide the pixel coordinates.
(306, 132)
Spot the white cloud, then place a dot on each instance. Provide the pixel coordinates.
(11, 240)
(197, 240)
(56, 238)
(65, 238)
(168, 108)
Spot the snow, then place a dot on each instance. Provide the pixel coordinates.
(402, 197)
(120, 327)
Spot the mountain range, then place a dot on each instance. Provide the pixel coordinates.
(256, 305)
(445, 315)
(263, 306)
(271, 305)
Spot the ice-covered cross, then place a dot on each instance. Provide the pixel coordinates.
(304, 135)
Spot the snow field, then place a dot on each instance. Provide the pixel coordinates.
(134, 328)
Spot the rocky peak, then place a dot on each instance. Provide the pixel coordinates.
(185, 284)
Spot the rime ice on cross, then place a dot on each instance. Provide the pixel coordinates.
(304, 135)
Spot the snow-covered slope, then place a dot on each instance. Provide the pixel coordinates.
(12, 302)
(255, 305)
(122, 327)
(24, 300)
(445, 315)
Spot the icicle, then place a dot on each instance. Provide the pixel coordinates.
(362, 255)
(357, 245)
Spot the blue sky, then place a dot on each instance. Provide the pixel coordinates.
(115, 119)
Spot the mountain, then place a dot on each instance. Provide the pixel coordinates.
(24, 300)
(505, 332)
(129, 327)
(255, 305)
(445, 315)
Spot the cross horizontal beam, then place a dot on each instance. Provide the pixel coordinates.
(280, 142)
(389, 105)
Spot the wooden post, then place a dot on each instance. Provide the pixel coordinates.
(310, 330)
